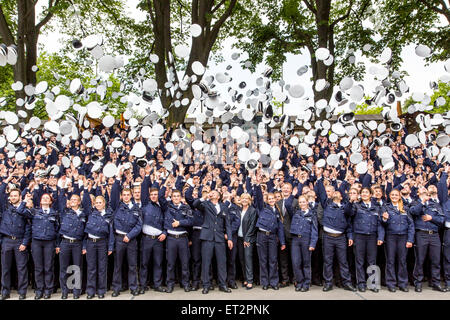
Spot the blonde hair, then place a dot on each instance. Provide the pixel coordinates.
(400, 201)
(246, 195)
(101, 198)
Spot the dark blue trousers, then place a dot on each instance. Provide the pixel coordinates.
(43, 252)
(395, 248)
(196, 254)
(151, 249)
(177, 247)
(365, 247)
(97, 260)
(427, 244)
(268, 258)
(130, 250)
(231, 262)
(338, 246)
(209, 248)
(67, 252)
(10, 251)
(301, 260)
(246, 259)
(447, 257)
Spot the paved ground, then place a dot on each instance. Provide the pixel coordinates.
(257, 293)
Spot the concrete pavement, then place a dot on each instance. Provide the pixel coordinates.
(315, 293)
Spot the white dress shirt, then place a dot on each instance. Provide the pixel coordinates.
(240, 232)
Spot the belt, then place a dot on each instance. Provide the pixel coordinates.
(11, 237)
(151, 237)
(296, 235)
(334, 235)
(427, 231)
(95, 240)
(119, 234)
(176, 236)
(267, 233)
(70, 240)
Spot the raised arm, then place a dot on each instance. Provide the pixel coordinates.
(115, 195)
(443, 188)
(145, 194)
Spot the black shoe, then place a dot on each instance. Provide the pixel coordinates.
(205, 290)
(349, 287)
(211, 287)
(418, 289)
(134, 292)
(115, 294)
(225, 289)
(362, 289)
(195, 288)
(160, 289)
(101, 296)
(169, 289)
(47, 296)
(316, 283)
(90, 296)
(142, 291)
(76, 296)
(392, 289)
(64, 296)
(327, 287)
(284, 284)
(233, 286)
(275, 287)
(439, 288)
(22, 297)
(298, 289)
(404, 289)
(374, 290)
(187, 289)
(5, 296)
(265, 287)
(305, 289)
(38, 296)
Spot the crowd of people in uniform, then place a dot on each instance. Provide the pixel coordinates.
(205, 225)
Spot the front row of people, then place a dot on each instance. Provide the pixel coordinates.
(71, 226)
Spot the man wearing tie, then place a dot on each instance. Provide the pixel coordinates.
(154, 234)
(216, 229)
(286, 191)
(428, 218)
(127, 226)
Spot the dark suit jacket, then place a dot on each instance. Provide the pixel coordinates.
(286, 215)
(249, 224)
(215, 225)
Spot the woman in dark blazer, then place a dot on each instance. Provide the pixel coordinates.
(247, 238)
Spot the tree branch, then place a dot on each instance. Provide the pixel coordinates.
(31, 8)
(150, 11)
(444, 10)
(5, 32)
(49, 15)
(218, 6)
(194, 12)
(310, 6)
(345, 16)
(224, 17)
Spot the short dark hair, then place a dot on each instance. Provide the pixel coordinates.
(14, 190)
(126, 190)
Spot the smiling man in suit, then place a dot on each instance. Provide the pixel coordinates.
(216, 229)
(285, 257)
